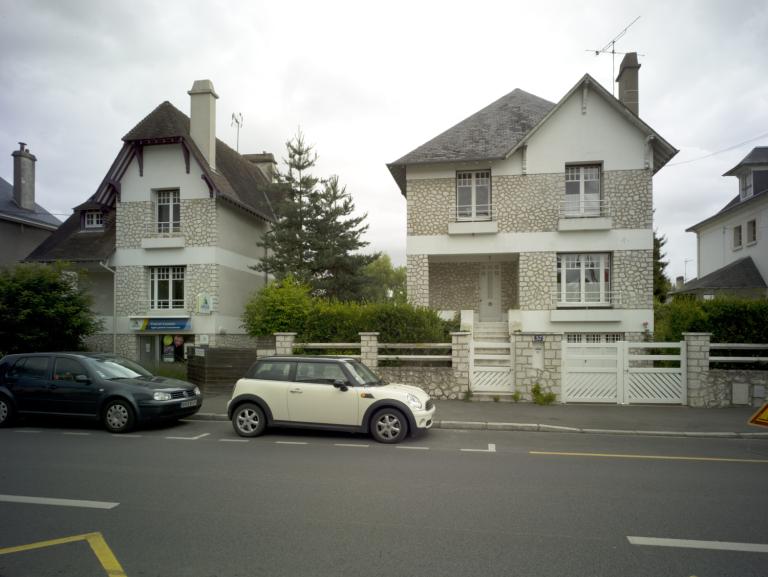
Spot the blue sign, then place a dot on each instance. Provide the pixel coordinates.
(169, 324)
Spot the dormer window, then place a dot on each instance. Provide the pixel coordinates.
(745, 186)
(94, 219)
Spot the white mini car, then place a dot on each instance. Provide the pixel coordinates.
(338, 393)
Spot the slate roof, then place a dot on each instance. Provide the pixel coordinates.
(72, 244)
(758, 155)
(9, 209)
(739, 274)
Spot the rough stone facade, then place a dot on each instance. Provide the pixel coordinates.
(201, 278)
(528, 203)
(128, 346)
(437, 382)
(131, 290)
(460, 345)
(632, 272)
(99, 343)
(538, 278)
(417, 279)
(630, 197)
(721, 381)
(549, 377)
(198, 222)
(429, 205)
(132, 220)
(135, 220)
(456, 285)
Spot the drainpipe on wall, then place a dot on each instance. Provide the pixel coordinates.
(114, 305)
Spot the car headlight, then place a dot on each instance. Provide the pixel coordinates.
(161, 396)
(197, 391)
(414, 402)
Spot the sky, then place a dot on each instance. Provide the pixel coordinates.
(368, 82)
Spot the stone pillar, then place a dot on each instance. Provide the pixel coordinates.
(417, 275)
(284, 343)
(537, 361)
(697, 355)
(369, 349)
(460, 359)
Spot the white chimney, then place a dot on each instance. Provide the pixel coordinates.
(24, 177)
(202, 119)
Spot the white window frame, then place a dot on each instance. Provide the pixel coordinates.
(583, 298)
(594, 338)
(581, 174)
(93, 219)
(751, 231)
(472, 179)
(738, 237)
(745, 186)
(170, 198)
(170, 276)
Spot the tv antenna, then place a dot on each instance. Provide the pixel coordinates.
(237, 119)
(610, 48)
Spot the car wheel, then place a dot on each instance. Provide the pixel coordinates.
(389, 426)
(249, 420)
(118, 416)
(6, 412)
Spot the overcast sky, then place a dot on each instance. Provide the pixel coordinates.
(368, 82)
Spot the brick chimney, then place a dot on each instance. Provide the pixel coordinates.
(629, 90)
(202, 119)
(679, 282)
(24, 177)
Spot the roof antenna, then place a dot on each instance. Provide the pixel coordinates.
(610, 48)
(237, 119)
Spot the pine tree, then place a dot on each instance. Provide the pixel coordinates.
(661, 283)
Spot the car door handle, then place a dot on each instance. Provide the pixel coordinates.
(299, 391)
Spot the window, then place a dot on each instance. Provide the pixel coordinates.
(168, 211)
(582, 190)
(594, 337)
(751, 231)
(473, 195)
(166, 287)
(67, 369)
(325, 373)
(30, 368)
(94, 219)
(272, 371)
(737, 237)
(745, 186)
(583, 279)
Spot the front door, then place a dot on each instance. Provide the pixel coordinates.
(148, 350)
(490, 293)
(73, 390)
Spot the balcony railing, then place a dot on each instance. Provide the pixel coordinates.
(178, 305)
(472, 212)
(584, 208)
(590, 298)
(163, 229)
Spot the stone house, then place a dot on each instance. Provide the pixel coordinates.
(534, 220)
(24, 224)
(731, 249)
(168, 239)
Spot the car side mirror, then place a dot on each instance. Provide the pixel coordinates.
(82, 379)
(341, 385)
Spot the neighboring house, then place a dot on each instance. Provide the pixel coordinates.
(537, 217)
(24, 224)
(169, 237)
(732, 251)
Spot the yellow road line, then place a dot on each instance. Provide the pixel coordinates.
(658, 457)
(96, 540)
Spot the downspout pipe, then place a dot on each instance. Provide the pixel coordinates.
(114, 305)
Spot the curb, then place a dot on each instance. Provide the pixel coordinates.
(541, 428)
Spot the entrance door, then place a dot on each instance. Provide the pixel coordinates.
(490, 293)
(148, 350)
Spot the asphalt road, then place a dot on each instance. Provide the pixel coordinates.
(196, 500)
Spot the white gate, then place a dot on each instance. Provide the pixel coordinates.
(491, 372)
(622, 373)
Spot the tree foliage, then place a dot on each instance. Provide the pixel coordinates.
(661, 284)
(729, 319)
(385, 283)
(316, 236)
(42, 308)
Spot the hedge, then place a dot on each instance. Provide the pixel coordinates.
(729, 319)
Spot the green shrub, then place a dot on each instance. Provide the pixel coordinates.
(729, 319)
(517, 396)
(281, 306)
(541, 398)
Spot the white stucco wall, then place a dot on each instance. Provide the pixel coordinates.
(715, 240)
(163, 168)
(238, 231)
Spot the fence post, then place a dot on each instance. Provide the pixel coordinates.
(284, 343)
(369, 349)
(460, 358)
(697, 361)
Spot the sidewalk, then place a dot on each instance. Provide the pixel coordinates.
(593, 419)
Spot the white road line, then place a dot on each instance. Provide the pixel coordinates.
(189, 438)
(117, 436)
(27, 431)
(233, 440)
(291, 443)
(491, 449)
(414, 448)
(75, 433)
(691, 544)
(59, 502)
(350, 445)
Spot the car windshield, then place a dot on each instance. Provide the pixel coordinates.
(363, 374)
(118, 368)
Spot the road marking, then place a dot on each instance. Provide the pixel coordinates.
(350, 445)
(189, 438)
(414, 448)
(691, 544)
(75, 433)
(233, 440)
(26, 431)
(98, 545)
(59, 502)
(118, 436)
(291, 443)
(491, 449)
(657, 457)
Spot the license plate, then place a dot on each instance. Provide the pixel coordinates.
(192, 403)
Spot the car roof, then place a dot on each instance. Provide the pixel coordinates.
(294, 358)
(82, 354)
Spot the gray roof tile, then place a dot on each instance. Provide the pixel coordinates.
(9, 208)
(739, 274)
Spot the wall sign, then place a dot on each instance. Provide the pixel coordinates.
(538, 338)
(161, 324)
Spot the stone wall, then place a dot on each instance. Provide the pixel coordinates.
(201, 278)
(429, 205)
(721, 382)
(437, 382)
(128, 346)
(632, 272)
(538, 278)
(528, 203)
(526, 375)
(417, 279)
(131, 290)
(456, 285)
(198, 222)
(630, 197)
(99, 343)
(132, 222)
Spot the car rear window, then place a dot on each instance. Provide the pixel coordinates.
(326, 373)
(272, 371)
(30, 368)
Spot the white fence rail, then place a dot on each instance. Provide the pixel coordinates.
(738, 347)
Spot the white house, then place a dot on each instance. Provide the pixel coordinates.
(536, 217)
(732, 253)
(169, 238)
